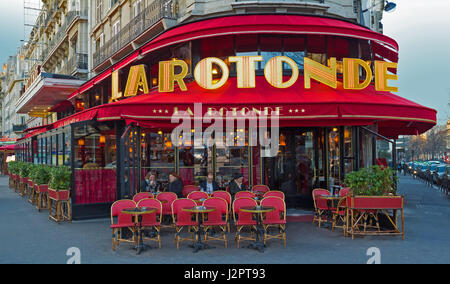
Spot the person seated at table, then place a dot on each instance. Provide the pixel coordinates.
(150, 184)
(175, 185)
(237, 184)
(209, 185)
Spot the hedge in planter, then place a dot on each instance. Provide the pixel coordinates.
(41, 178)
(59, 191)
(373, 194)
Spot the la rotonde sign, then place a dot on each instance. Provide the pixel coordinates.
(207, 69)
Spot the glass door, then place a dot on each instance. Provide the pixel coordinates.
(297, 168)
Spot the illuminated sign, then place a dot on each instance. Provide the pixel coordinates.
(208, 69)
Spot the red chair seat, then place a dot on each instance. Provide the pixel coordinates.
(214, 223)
(274, 222)
(187, 223)
(150, 224)
(122, 225)
(245, 223)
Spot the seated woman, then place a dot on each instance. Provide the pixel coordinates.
(150, 184)
(237, 184)
(175, 185)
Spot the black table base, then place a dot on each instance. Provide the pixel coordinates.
(200, 245)
(258, 244)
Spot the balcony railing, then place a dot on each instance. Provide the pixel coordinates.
(156, 11)
(78, 61)
(62, 32)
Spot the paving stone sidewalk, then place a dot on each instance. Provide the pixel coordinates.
(30, 237)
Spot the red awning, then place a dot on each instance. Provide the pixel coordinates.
(270, 24)
(318, 106)
(8, 148)
(254, 24)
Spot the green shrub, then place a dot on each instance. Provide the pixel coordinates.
(25, 169)
(13, 167)
(373, 181)
(60, 178)
(40, 174)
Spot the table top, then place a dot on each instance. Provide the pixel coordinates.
(257, 209)
(139, 210)
(200, 209)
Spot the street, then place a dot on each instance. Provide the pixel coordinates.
(30, 237)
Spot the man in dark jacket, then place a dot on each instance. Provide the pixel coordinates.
(209, 185)
(175, 185)
(237, 185)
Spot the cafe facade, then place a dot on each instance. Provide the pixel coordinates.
(324, 84)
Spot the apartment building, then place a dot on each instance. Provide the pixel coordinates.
(16, 71)
(58, 51)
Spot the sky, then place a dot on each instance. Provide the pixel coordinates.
(11, 27)
(422, 29)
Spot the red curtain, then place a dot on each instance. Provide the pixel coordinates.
(95, 186)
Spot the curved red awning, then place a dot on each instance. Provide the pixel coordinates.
(248, 24)
(318, 106)
(251, 24)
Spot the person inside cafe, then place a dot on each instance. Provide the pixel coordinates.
(150, 184)
(175, 184)
(209, 185)
(237, 184)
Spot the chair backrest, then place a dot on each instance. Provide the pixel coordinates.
(142, 195)
(244, 194)
(243, 202)
(261, 188)
(227, 189)
(178, 214)
(280, 208)
(276, 193)
(223, 194)
(170, 197)
(116, 211)
(196, 195)
(221, 206)
(150, 202)
(189, 188)
(344, 192)
(320, 203)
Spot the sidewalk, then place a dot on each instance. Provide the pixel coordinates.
(29, 237)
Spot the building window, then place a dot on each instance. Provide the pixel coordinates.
(115, 29)
(98, 11)
(137, 8)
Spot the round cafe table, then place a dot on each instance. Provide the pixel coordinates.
(199, 245)
(258, 211)
(138, 212)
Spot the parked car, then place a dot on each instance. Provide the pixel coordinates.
(438, 175)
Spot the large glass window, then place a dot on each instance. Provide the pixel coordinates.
(95, 163)
(67, 147)
(348, 150)
(316, 48)
(60, 146)
(294, 48)
(246, 45)
(195, 160)
(158, 155)
(333, 157)
(270, 47)
(49, 149)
